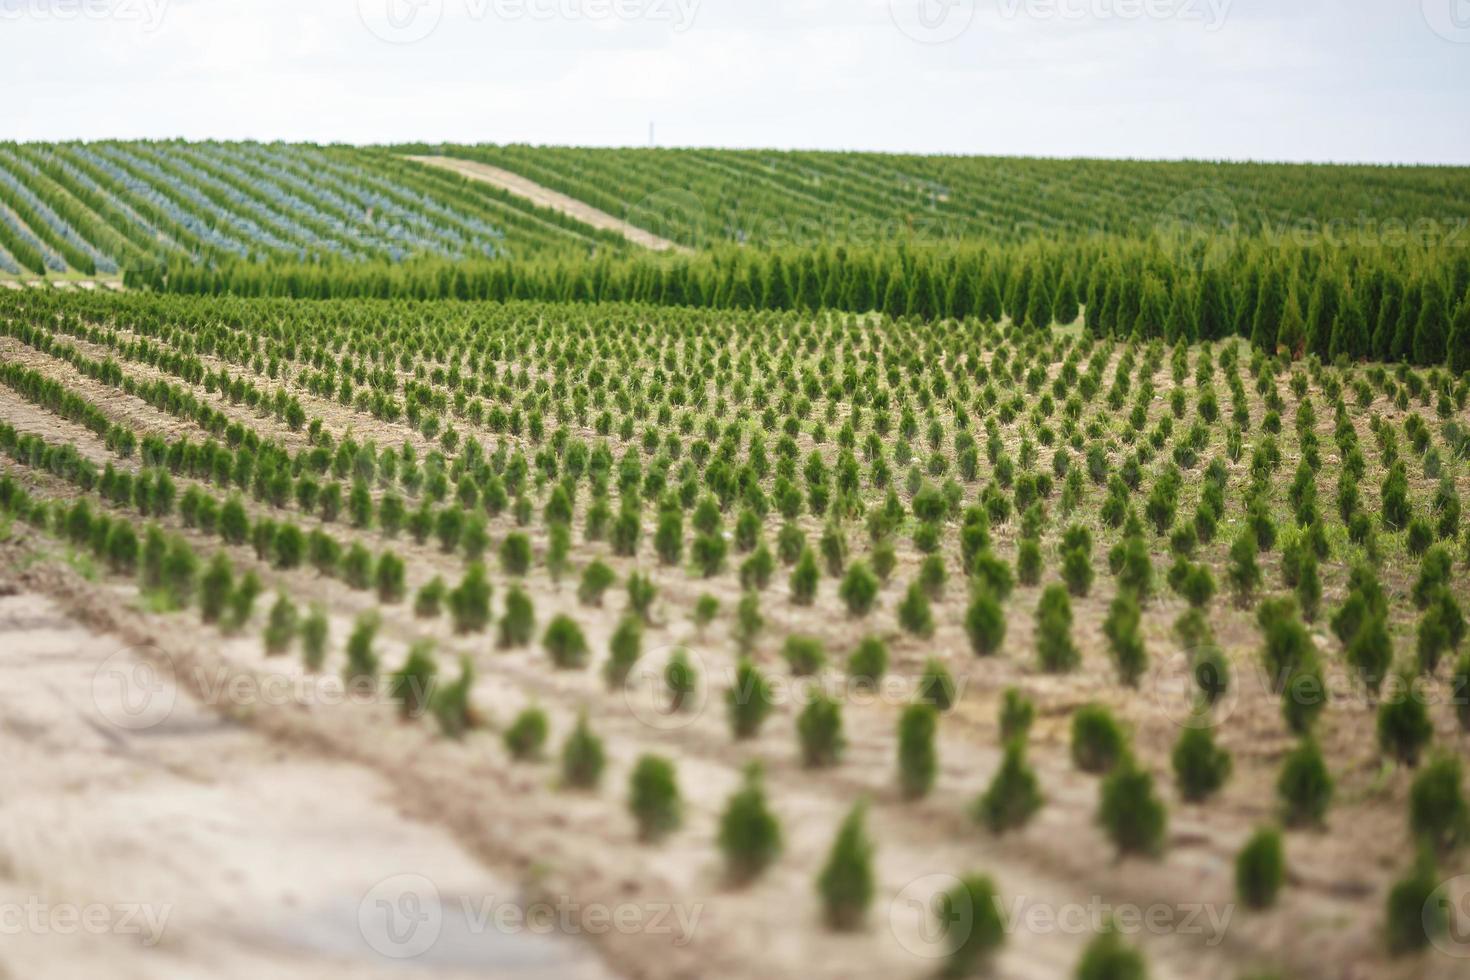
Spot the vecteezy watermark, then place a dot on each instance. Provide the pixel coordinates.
(933, 916)
(39, 918)
(131, 691)
(404, 916)
(1210, 13)
(1197, 229)
(932, 21)
(135, 690)
(411, 21)
(1450, 19)
(148, 13)
(1447, 917)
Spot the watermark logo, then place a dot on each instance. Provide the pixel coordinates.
(653, 701)
(932, 916)
(145, 922)
(1188, 692)
(1198, 229)
(932, 21)
(401, 21)
(148, 14)
(1211, 13)
(1450, 19)
(132, 691)
(401, 917)
(1447, 917)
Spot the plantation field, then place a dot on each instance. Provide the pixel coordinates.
(786, 620)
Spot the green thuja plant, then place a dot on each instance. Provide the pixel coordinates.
(985, 622)
(362, 659)
(859, 589)
(749, 700)
(804, 655)
(868, 664)
(1404, 725)
(936, 686)
(450, 703)
(681, 680)
(280, 627)
(565, 643)
(242, 602)
(914, 613)
(1130, 811)
(749, 835)
(804, 578)
(1260, 868)
(1200, 766)
(1438, 814)
(1014, 794)
(846, 883)
(597, 578)
(1304, 786)
(469, 602)
(215, 587)
(1098, 741)
(918, 760)
(1124, 638)
(971, 910)
(1017, 712)
(314, 629)
(653, 798)
(582, 757)
(518, 624)
(1108, 957)
(525, 739)
(1054, 646)
(412, 685)
(429, 600)
(624, 649)
(1412, 918)
(819, 731)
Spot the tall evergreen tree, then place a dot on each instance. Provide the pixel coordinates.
(1432, 328)
(1322, 314)
(1266, 319)
(1349, 332)
(1459, 342)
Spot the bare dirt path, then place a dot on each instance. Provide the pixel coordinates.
(195, 846)
(548, 198)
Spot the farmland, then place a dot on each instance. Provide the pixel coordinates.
(1016, 536)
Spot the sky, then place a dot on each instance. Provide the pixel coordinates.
(1328, 80)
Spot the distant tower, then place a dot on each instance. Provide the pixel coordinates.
(650, 133)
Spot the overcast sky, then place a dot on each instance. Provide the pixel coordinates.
(1370, 80)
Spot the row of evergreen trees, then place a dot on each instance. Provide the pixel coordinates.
(1402, 303)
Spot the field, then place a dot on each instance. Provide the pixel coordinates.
(935, 564)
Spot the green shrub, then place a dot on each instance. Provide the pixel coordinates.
(180, 573)
(1438, 814)
(1017, 712)
(1054, 644)
(846, 882)
(1098, 741)
(1460, 692)
(804, 655)
(469, 602)
(859, 589)
(280, 629)
(985, 622)
(1124, 639)
(681, 679)
(936, 686)
(750, 834)
(215, 587)
(1014, 795)
(525, 739)
(450, 703)
(1028, 561)
(868, 664)
(429, 599)
(582, 757)
(1243, 573)
(756, 571)
(362, 660)
(914, 614)
(706, 608)
(641, 593)
(314, 639)
(565, 643)
(1412, 919)
(1370, 652)
(653, 798)
(518, 625)
(624, 648)
(1132, 814)
(357, 567)
(917, 756)
(412, 685)
(1077, 571)
(970, 916)
(1108, 957)
(597, 578)
(1200, 766)
(1305, 786)
(749, 700)
(1404, 725)
(819, 730)
(389, 578)
(1260, 868)
(242, 601)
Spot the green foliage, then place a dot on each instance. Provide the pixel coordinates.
(582, 757)
(985, 622)
(1014, 794)
(1098, 741)
(970, 915)
(1260, 869)
(565, 643)
(281, 626)
(936, 686)
(805, 655)
(749, 700)
(846, 883)
(1054, 646)
(1305, 786)
(859, 589)
(362, 659)
(750, 834)
(653, 798)
(525, 739)
(469, 602)
(1129, 810)
(868, 663)
(1108, 957)
(1438, 814)
(412, 685)
(819, 729)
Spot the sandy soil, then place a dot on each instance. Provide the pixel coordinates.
(195, 846)
(548, 198)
